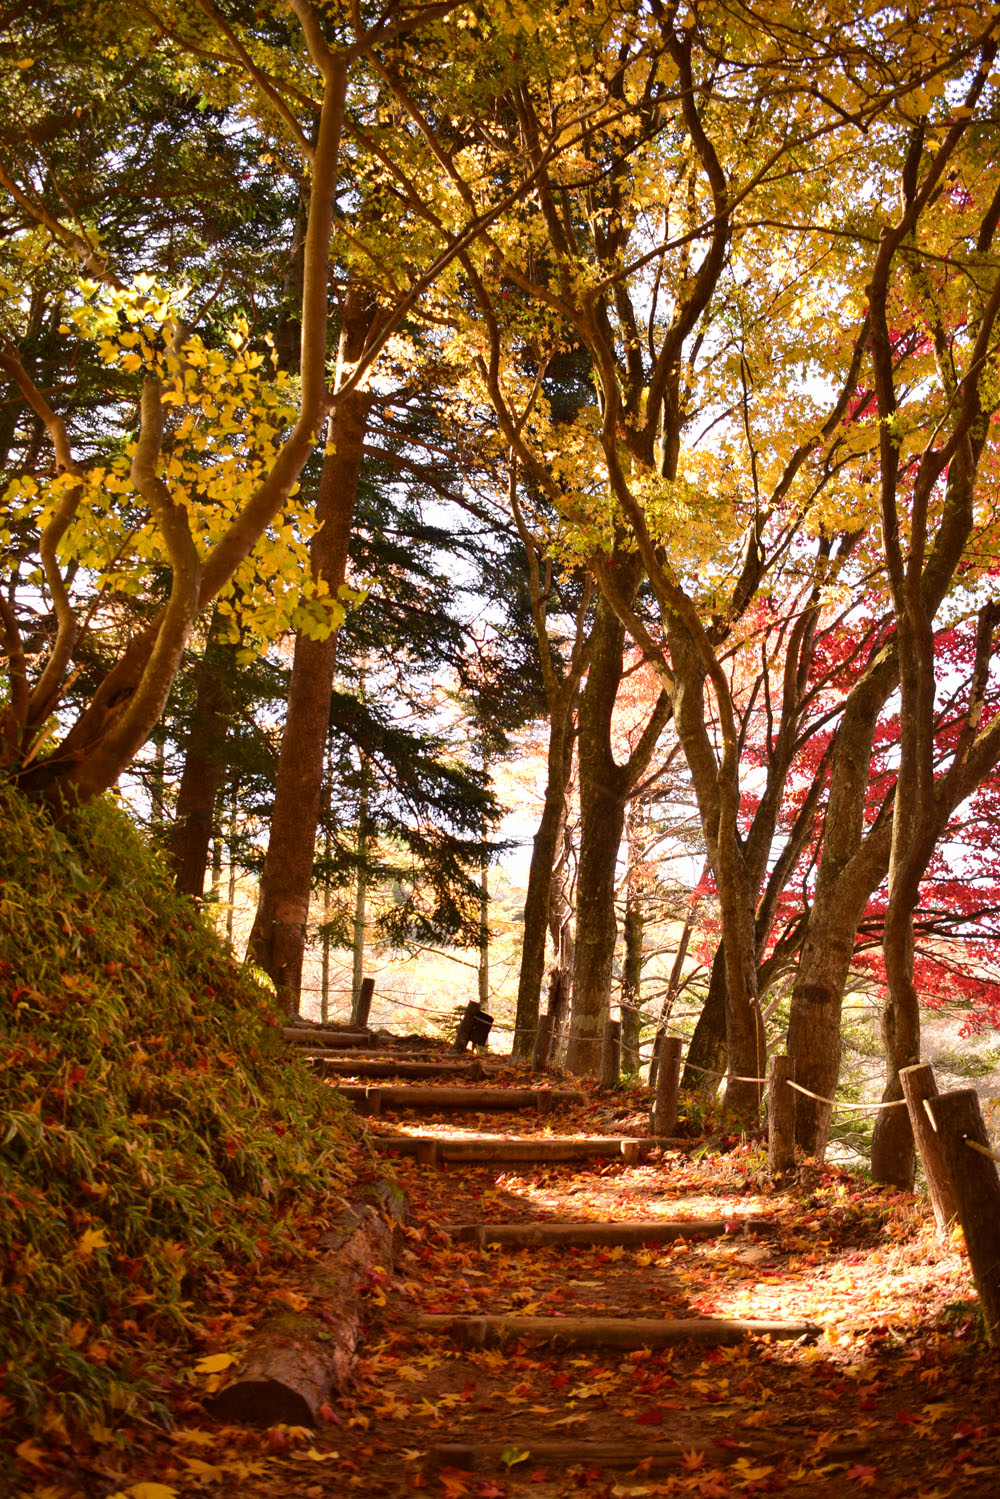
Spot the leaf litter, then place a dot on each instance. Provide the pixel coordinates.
(897, 1394)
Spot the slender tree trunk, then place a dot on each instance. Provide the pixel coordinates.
(157, 780)
(203, 771)
(277, 942)
(631, 997)
(361, 886)
(563, 942)
(540, 873)
(234, 801)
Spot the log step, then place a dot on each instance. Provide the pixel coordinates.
(375, 1099)
(640, 1231)
(609, 1332)
(656, 1457)
(429, 1149)
(309, 1035)
(375, 1066)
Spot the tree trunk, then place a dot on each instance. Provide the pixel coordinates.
(203, 772)
(564, 944)
(603, 792)
(605, 788)
(893, 1147)
(632, 982)
(277, 942)
(540, 873)
(706, 1056)
(484, 935)
(360, 888)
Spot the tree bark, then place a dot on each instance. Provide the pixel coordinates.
(544, 851)
(631, 997)
(203, 771)
(604, 790)
(277, 942)
(706, 1056)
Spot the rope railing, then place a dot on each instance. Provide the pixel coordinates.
(859, 1108)
(990, 1155)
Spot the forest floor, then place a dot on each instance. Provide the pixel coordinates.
(895, 1393)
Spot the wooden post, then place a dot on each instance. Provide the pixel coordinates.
(918, 1086)
(359, 1015)
(543, 1043)
(668, 1080)
(959, 1123)
(781, 1117)
(464, 1033)
(654, 1061)
(611, 1057)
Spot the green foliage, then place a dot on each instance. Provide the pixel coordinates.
(153, 1132)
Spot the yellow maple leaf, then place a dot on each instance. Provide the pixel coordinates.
(29, 1453)
(147, 1491)
(215, 1363)
(89, 1240)
(194, 1438)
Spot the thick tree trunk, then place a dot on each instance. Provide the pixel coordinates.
(706, 1055)
(605, 787)
(852, 865)
(277, 942)
(603, 791)
(203, 771)
(893, 1146)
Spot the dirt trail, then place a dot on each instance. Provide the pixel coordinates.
(883, 1386)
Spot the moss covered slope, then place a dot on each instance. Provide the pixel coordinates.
(153, 1131)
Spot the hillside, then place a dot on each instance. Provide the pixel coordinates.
(154, 1134)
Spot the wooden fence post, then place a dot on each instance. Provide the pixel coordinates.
(959, 1123)
(654, 1061)
(781, 1117)
(466, 1025)
(918, 1086)
(361, 1011)
(668, 1079)
(611, 1056)
(543, 1043)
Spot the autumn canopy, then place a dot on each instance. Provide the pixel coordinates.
(624, 370)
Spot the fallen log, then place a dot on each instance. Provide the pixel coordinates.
(609, 1332)
(641, 1231)
(298, 1360)
(502, 1149)
(377, 1098)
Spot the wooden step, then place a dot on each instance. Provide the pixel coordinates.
(608, 1332)
(655, 1457)
(309, 1035)
(501, 1149)
(378, 1065)
(373, 1100)
(639, 1231)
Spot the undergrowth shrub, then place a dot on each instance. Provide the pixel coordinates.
(154, 1130)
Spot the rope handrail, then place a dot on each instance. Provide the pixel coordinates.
(860, 1108)
(981, 1149)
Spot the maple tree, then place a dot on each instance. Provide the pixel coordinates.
(231, 430)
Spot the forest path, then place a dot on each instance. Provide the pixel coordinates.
(874, 1383)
